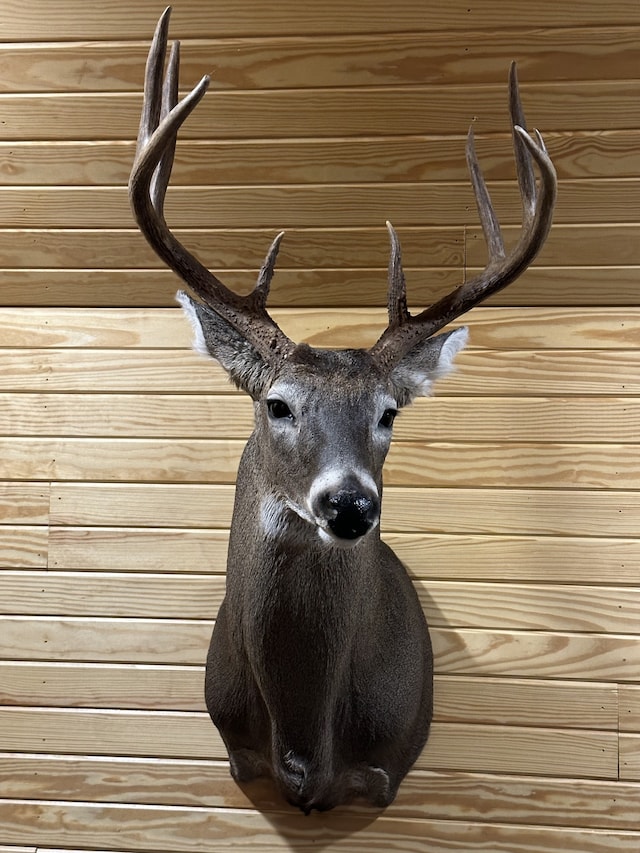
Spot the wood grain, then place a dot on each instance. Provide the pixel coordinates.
(424, 794)
(512, 495)
(173, 688)
(630, 757)
(425, 250)
(447, 604)
(23, 546)
(73, 19)
(590, 466)
(310, 205)
(596, 53)
(24, 503)
(556, 752)
(543, 286)
(160, 830)
(503, 328)
(629, 704)
(322, 112)
(541, 559)
(584, 154)
(409, 510)
(530, 419)
(472, 652)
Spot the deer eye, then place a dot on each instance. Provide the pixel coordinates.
(278, 410)
(387, 419)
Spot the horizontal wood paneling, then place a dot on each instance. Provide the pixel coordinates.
(311, 205)
(517, 654)
(171, 688)
(517, 329)
(198, 416)
(23, 547)
(487, 465)
(597, 53)
(592, 154)
(439, 510)
(64, 19)
(198, 596)
(558, 752)
(512, 496)
(542, 800)
(629, 702)
(153, 288)
(321, 112)
(161, 830)
(630, 757)
(241, 252)
(501, 557)
(24, 503)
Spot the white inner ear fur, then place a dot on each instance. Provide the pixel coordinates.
(456, 341)
(199, 344)
(419, 378)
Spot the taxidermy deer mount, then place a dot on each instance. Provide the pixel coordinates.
(320, 669)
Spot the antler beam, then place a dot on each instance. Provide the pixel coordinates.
(162, 116)
(405, 331)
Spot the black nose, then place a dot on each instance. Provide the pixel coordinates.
(351, 514)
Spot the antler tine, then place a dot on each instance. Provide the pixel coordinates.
(502, 268)
(397, 292)
(161, 118)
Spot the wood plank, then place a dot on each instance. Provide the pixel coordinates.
(590, 466)
(630, 757)
(23, 546)
(67, 638)
(584, 154)
(425, 250)
(72, 19)
(408, 510)
(111, 595)
(530, 419)
(447, 604)
(536, 655)
(595, 53)
(13, 849)
(511, 749)
(318, 112)
(451, 604)
(539, 558)
(472, 652)
(171, 688)
(629, 698)
(453, 796)
(24, 503)
(311, 205)
(504, 328)
(541, 286)
(171, 830)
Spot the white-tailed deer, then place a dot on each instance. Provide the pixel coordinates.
(320, 670)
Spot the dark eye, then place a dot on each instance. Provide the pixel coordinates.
(279, 409)
(388, 418)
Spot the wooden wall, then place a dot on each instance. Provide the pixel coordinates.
(513, 495)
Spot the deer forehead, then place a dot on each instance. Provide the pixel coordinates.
(332, 377)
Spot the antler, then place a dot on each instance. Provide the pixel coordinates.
(405, 331)
(162, 116)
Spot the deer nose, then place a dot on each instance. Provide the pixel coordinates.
(351, 514)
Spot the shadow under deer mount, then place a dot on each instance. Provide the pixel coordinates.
(320, 668)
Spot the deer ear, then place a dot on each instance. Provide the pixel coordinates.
(431, 359)
(215, 338)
